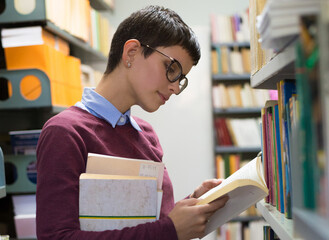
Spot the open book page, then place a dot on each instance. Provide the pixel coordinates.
(245, 188)
(251, 173)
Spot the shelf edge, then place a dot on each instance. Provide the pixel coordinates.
(282, 226)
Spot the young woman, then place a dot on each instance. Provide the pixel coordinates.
(151, 53)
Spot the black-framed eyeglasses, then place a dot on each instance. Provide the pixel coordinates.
(174, 71)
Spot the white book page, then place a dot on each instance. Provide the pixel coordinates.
(248, 171)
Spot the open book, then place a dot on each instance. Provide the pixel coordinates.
(245, 187)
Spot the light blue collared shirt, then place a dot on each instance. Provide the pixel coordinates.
(98, 106)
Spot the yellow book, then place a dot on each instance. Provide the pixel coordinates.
(244, 188)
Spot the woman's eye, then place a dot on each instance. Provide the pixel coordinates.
(171, 69)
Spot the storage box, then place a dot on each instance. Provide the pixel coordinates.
(24, 142)
(25, 212)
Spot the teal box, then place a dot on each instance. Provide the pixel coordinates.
(21, 174)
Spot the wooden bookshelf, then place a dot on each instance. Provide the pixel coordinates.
(16, 113)
(309, 223)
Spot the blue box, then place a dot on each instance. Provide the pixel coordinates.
(24, 142)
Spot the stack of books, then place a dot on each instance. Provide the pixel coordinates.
(278, 25)
(117, 192)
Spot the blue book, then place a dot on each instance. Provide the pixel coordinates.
(278, 155)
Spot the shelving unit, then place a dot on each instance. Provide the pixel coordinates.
(18, 113)
(305, 224)
(233, 149)
(231, 79)
(282, 226)
(280, 67)
(79, 48)
(233, 112)
(237, 111)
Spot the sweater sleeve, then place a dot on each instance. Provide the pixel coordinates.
(61, 158)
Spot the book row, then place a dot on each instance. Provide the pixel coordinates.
(240, 95)
(278, 116)
(269, 233)
(230, 28)
(259, 56)
(80, 20)
(227, 164)
(240, 132)
(241, 230)
(292, 137)
(226, 60)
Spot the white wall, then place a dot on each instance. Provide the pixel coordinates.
(184, 124)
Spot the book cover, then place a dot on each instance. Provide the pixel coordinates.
(105, 164)
(278, 156)
(108, 202)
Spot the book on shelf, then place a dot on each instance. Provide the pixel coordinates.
(238, 95)
(227, 164)
(230, 60)
(259, 57)
(244, 132)
(244, 187)
(32, 35)
(276, 138)
(81, 21)
(238, 132)
(230, 28)
(240, 230)
(71, 16)
(269, 233)
(278, 23)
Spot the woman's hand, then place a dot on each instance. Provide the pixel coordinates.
(205, 187)
(190, 219)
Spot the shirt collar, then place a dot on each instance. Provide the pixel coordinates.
(100, 107)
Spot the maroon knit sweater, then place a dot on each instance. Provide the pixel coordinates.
(64, 144)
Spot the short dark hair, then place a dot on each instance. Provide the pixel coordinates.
(155, 26)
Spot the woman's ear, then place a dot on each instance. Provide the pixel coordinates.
(130, 49)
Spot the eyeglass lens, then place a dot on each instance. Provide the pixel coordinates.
(174, 71)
